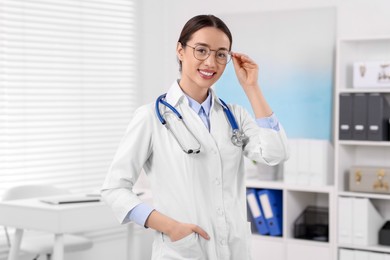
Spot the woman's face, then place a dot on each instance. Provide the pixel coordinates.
(197, 73)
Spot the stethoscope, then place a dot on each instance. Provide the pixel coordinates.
(238, 136)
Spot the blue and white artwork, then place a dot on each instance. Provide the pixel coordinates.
(295, 53)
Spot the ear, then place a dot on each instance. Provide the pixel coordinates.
(179, 51)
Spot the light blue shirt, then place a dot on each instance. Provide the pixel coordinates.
(140, 213)
(203, 110)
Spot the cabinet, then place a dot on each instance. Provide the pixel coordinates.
(347, 153)
(295, 199)
(357, 152)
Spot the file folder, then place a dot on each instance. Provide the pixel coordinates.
(271, 202)
(377, 256)
(367, 222)
(346, 254)
(359, 131)
(345, 220)
(378, 115)
(359, 221)
(361, 255)
(345, 117)
(257, 214)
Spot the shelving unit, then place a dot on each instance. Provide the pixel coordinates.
(347, 153)
(295, 199)
(363, 153)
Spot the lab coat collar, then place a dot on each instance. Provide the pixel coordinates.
(215, 98)
(175, 94)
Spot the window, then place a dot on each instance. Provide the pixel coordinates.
(67, 89)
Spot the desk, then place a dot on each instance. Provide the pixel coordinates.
(56, 219)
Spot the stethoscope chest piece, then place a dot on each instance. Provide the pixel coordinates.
(239, 138)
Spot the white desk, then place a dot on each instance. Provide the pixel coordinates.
(56, 219)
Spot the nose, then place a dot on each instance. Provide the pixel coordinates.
(211, 59)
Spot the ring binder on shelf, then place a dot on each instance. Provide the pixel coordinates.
(255, 209)
(271, 202)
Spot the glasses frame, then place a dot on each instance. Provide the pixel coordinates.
(209, 53)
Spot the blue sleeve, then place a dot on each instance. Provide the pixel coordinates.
(140, 213)
(271, 122)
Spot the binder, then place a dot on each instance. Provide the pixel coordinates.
(345, 220)
(345, 116)
(361, 255)
(359, 222)
(378, 126)
(271, 202)
(290, 167)
(377, 256)
(346, 254)
(257, 214)
(359, 117)
(366, 222)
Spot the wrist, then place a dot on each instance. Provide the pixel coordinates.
(169, 226)
(251, 87)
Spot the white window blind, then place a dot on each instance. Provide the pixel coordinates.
(67, 89)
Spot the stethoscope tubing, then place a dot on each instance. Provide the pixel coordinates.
(160, 99)
(238, 138)
(230, 116)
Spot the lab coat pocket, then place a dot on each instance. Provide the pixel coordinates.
(185, 248)
(181, 242)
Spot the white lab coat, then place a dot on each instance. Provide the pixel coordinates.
(206, 189)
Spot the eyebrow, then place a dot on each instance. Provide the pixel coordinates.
(206, 45)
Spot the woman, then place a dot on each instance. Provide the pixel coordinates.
(196, 167)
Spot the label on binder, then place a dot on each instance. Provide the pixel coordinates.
(253, 205)
(267, 210)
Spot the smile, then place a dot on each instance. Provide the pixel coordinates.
(206, 74)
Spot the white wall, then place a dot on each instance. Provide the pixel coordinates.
(162, 21)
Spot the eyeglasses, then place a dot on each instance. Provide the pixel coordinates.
(203, 52)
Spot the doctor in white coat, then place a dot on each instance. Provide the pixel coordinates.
(195, 165)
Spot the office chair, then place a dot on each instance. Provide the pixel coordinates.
(41, 243)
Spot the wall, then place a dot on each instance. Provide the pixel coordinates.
(162, 21)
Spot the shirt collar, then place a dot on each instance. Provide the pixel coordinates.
(196, 106)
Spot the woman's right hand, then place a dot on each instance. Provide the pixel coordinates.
(181, 230)
(173, 229)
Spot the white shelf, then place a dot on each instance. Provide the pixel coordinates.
(375, 248)
(258, 237)
(366, 39)
(365, 195)
(259, 184)
(364, 90)
(280, 185)
(308, 242)
(364, 143)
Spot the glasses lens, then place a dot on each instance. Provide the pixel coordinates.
(201, 52)
(223, 56)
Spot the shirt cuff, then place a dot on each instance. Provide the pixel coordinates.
(271, 122)
(140, 213)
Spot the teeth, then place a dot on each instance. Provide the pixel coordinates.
(206, 73)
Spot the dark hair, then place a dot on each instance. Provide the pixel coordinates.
(200, 21)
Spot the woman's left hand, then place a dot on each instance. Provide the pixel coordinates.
(247, 70)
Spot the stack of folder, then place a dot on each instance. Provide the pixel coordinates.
(359, 222)
(310, 162)
(364, 117)
(266, 209)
